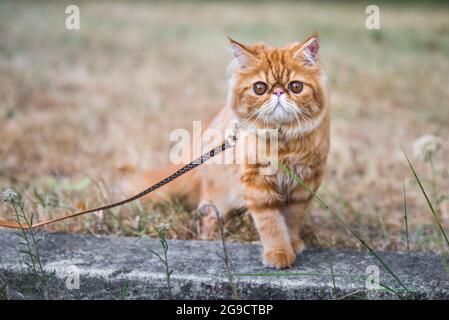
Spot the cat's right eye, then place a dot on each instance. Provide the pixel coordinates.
(260, 88)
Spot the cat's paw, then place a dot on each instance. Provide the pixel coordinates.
(298, 245)
(278, 259)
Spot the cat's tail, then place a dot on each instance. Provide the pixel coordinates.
(186, 186)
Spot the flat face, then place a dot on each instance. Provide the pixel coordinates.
(277, 86)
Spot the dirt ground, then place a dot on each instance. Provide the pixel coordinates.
(83, 111)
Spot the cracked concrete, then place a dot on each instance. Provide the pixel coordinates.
(107, 265)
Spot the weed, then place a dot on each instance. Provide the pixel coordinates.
(225, 256)
(35, 274)
(162, 231)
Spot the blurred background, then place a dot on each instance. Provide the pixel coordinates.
(83, 111)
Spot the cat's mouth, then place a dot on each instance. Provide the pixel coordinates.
(280, 114)
(279, 105)
(280, 111)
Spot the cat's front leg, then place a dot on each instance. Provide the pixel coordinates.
(277, 249)
(294, 213)
(265, 205)
(297, 207)
(266, 211)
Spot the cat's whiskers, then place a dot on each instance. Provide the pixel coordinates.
(304, 119)
(293, 110)
(267, 110)
(255, 113)
(296, 113)
(264, 109)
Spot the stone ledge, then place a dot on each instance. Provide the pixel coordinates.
(106, 263)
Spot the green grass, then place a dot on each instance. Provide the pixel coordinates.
(432, 209)
(124, 290)
(441, 233)
(334, 287)
(35, 276)
(359, 238)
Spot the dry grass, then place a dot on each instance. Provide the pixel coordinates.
(80, 111)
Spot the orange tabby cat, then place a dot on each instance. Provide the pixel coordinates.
(270, 87)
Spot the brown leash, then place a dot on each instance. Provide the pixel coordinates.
(228, 143)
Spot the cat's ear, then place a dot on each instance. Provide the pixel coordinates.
(244, 56)
(307, 51)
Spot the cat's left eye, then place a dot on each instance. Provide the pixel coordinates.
(295, 86)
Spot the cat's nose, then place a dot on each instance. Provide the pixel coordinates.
(278, 91)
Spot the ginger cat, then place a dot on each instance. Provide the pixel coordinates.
(269, 87)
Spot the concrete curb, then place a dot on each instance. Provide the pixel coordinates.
(115, 267)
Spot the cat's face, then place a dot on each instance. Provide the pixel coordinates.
(277, 86)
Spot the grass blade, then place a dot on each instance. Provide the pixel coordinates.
(324, 205)
(406, 216)
(324, 274)
(435, 215)
(334, 287)
(124, 290)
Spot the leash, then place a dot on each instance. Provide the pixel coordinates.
(227, 143)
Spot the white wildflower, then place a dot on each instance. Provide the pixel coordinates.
(10, 196)
(426, 146)
(163, 227)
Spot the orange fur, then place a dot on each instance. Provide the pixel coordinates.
(276, 203)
